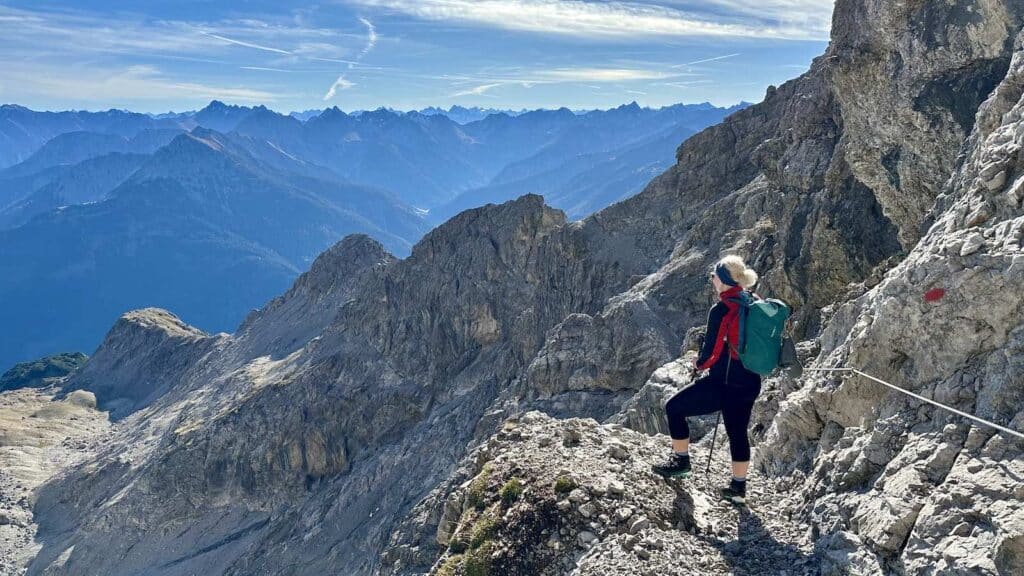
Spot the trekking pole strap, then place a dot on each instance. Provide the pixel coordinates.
(922, 398)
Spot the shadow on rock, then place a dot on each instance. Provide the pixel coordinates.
(757, 551)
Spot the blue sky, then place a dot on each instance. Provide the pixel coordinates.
(160, 55)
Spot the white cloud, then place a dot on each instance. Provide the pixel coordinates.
(371, 38)
(815, 13)
(483, 83)
(689, 83)
(54, 37)
(478, 90)
(264, 69)
(601, 74)
(622, 20)
(340, 84)
(40, 34)
(107, 85)
(528, 78)
(705, 60)
(245, 44)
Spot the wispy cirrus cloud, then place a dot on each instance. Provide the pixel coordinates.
(371, 38)
(342, 83)
(484, 83)
(590, 74)
(706, 60)
(265, 69)
(81, 34)
(625, 20)
(102, 84)
(477, 90)
(40, 35)
(245, 44)
(689, 83)
(401, 52)
(810, 13)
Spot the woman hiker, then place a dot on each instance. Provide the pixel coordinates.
(728, 386)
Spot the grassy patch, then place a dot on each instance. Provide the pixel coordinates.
(511, 491)
(458, 544)
(450, 566)
(484, 529)
(564, 485)
(478, 562)
(476, 495)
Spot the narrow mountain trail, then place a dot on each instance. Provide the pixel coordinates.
(764, 537)
(551, 496)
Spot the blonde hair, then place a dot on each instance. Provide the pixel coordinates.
(739, 271)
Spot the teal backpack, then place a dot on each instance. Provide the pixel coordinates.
(762, 324)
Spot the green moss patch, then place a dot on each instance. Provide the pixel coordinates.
(564, 485)
(478, 562)
(476, 495)
(511, 492)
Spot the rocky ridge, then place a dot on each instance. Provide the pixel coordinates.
(553, 496)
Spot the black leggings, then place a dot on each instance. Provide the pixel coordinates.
(712, 393)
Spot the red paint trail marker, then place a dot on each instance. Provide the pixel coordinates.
(934, 295)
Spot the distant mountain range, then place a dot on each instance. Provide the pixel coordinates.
(212, 212)
(458, 114)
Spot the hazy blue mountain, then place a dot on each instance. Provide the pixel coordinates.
(606, 178)
(458, 114)
(24, 131)
(222, 117)
(65, 149)
(171, 115)
(125, 210)
(424, 160)
(305, 114)
(462, 115)
(73, 147)
(200, 226)
(88, 181)
(595, 160)
(50, 177)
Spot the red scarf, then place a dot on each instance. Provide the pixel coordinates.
(729, 330)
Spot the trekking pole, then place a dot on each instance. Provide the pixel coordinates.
(713, 437)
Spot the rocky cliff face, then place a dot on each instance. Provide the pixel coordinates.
(271, 425)
(342, 428)
(908, 487)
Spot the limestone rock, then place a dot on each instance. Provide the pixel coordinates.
(661, 527)
(898, 476)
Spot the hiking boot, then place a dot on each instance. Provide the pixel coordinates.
(735, 492)
(675, 466)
